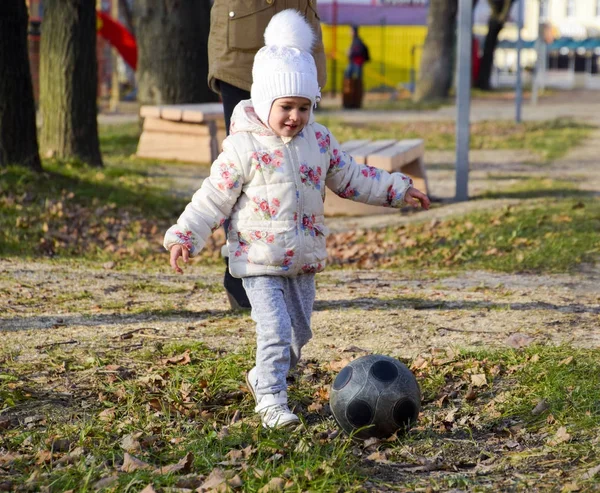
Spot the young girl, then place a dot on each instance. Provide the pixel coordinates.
(270, 182)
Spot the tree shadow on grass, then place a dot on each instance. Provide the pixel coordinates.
(538, 194)
(88, 189)
(116, 319)
(369, 303)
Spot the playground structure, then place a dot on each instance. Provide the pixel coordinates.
(571, 63)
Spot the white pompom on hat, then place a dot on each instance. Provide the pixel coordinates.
(284, 67)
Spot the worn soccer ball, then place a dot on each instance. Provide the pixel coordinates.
(375, 396)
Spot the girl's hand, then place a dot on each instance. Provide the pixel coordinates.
(414, 197)
(176, 252)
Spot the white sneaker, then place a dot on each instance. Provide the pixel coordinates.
(273, 408)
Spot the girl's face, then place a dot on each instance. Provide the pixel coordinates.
(289, 115)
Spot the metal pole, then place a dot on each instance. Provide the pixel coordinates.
(463, 97)
(519, 88)
(382, 42)
(334, 48)
(412, 70)
(540, 53)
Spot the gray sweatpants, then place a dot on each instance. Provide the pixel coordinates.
(281, 308)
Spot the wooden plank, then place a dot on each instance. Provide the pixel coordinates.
(168, 126)
(191, 113)
(149, 111)
(360, 154)
(350, 145)
(177, 147)
(394, 157)
(197, 113)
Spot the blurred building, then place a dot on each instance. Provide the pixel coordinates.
(569, 31)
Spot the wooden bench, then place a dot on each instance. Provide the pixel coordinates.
(194, 133)
(405, 156)
(182, 132)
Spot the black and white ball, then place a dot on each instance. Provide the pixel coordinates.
(376, 392)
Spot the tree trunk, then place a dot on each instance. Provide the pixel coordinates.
(69, 81)
(487, 59)
(499, 14)
(18, 137)
(172, 39)
(435, 77)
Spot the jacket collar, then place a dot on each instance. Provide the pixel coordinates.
(245, 119)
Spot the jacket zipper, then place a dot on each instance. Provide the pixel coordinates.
(295, 168)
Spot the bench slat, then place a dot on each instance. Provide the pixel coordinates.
(189, 113)
(394, 157)
(361, 153)
(350, 145)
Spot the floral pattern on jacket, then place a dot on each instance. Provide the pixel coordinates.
(272, 191)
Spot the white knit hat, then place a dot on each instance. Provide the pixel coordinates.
(284, 66)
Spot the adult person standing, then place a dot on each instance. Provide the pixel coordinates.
(358, 55)
(236, 33)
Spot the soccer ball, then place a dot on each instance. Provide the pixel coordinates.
(376, 395)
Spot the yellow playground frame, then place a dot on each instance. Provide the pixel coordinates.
(395, 53)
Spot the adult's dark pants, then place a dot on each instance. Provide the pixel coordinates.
(231, 96)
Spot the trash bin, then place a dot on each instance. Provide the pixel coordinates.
(352, 93)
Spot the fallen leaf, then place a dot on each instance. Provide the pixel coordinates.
(540, 407)
(237, 417)
(72, 456)
(478, 380)
(419, 363)
(276, 484)
(561, 436)
(471, 394)
(315, 407)
(449, 418)
(518, 340)
(107, 414)
(218, 480)
(180, 359)
(378, 456)
(148, 489)
(43, 457)
(338, 364)
(354, 349)
(590, 473)
(184, 465)
(189, 482)
(129, 443)
(131, 463)
(565, 361)
(106, 481)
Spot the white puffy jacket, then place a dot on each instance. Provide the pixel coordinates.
(273, 190)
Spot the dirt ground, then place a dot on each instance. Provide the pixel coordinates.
(397, 313)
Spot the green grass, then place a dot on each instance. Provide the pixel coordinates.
(161, 403)
(545, 236)
(119, 213)
(71, 209)
(548, 139)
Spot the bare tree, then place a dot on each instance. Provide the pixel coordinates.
(172, 39)
(69, 81)
(18, 137)
(435, 75)
(498, 16)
